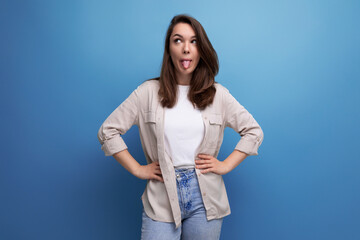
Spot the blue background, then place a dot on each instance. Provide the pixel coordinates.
(66, 65)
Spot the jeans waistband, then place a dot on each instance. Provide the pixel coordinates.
(184, 170)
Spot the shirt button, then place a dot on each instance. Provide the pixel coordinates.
(204, 194)
(166, 179)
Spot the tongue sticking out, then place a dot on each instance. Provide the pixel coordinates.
(185, 64)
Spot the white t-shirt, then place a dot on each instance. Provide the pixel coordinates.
(183, 130)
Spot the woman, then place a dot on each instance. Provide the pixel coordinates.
(181, 118)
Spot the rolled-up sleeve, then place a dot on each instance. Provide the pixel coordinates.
(239, 119)
(118, 123)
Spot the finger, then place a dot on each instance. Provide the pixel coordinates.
(206, 170)
(200, 166)
(206, 156)
(203, 166)
(159, 177)
(202, 161)
(156, 177)
(157, 171)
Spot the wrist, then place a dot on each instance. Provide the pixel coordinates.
(135, 171)
(227, 166)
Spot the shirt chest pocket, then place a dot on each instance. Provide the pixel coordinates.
(150, 128)
(150, 117)
(215, 129)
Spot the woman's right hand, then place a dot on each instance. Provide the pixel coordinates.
(149, 171)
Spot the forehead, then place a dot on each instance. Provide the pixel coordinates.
(184, 30)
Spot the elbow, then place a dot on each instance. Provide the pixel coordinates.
(100, 135)
(260, 136)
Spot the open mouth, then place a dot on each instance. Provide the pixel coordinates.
(185, 63)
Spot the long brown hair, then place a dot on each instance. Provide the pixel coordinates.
(202, 89)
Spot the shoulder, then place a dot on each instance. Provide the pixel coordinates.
(151, 84)
(221, 90)
(148, 87)
(147, 92)
(224, 94)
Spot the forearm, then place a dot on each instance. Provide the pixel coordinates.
(127, 161)
(234, 159)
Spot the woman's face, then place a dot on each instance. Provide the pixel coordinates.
(183, 49)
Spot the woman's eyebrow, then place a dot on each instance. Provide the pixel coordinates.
(176, 34)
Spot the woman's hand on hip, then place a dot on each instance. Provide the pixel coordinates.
(149, 171)
(207, 163)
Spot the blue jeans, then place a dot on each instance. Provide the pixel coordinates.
(193, 214)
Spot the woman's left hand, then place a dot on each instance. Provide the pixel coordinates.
(208, 163)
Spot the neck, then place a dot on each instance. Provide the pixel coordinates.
(183, 79)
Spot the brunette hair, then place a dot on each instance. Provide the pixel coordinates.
(202, 89)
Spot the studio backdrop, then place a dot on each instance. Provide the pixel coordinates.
(66, 65)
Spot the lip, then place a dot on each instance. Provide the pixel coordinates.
(185, 59)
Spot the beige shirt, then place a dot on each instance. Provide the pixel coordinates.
(143, 108)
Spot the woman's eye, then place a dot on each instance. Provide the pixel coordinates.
(179, 40)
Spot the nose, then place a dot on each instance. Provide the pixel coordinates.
(186, 47)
